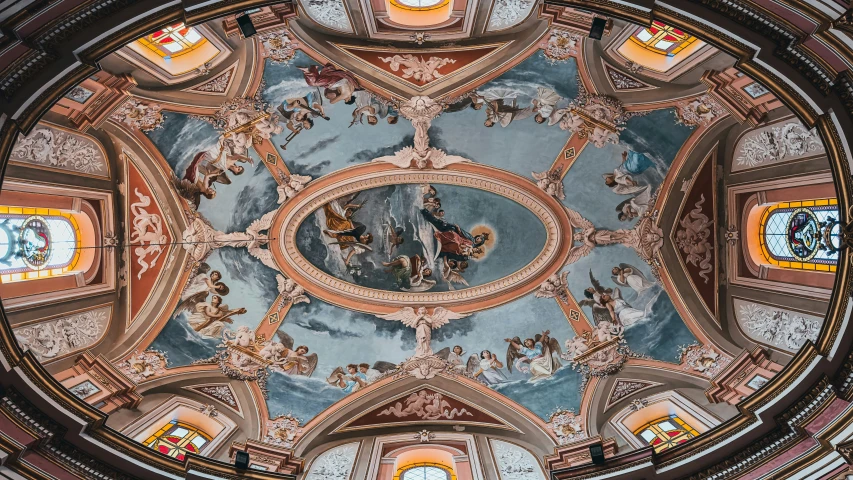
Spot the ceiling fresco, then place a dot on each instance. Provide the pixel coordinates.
(523, 227)
(422, 237)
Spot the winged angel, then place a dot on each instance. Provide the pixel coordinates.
(423, 323)
(421, 111)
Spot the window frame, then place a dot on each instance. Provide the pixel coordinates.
(404, 471)
(179, 448)
(792, 263)
(683, 39)
(667, 441)
(26, 274)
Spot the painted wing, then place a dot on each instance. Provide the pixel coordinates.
(597, 285)
(281, 282)
(577, 220)
(576, 253)
(285, 339)
(442, 316)
(512, 354)
(637, 271)
(312, 364)
(187, 190)
(554, 345)
(540, 175)
(443, 353)
(601, 314)
(406, 315)
(383, 367)
(472, 365)
(335, 376)
(189, 304)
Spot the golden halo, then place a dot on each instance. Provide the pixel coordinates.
(487, 247)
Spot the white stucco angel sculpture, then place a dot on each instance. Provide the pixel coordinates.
(423, 323)
(290, 291)
(290, 185)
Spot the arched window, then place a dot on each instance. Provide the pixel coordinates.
(173, 41)
(425, 472)
(663, 39)
(666, 432)
(37, 243)
(176, 439)
(801, 235)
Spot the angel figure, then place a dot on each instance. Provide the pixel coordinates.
(554, 287)
(626, 275)
(636, 206)
(544, 103)
(410, 273)
(590, 237)
(452, 272)
(195, 184)
(423, 323)
(575, 346)
(205, 280)
(621, 180)
(375, 372)
(290, 291)
(295, 361)
(352, 237)
(487, 368)
(290, 185)
(209, 318)
(503, 111)
(367, 107)
(394, 238)
(551, 182)
(538, 356)
(454, 356)
(350, 380)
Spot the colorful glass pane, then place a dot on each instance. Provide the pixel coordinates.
(36, 243)
(173, 40)
(176, 439)
(802, 235)
(666, 432)
(663, 39)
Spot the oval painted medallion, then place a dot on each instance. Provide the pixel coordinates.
(421, 237)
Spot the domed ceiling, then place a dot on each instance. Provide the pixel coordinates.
(336, 206)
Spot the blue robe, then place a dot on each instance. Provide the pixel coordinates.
(636, 163)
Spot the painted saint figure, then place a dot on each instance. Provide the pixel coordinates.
(350, 381)
(352, 237)
(626, 275)
(456, 243)
(410, 273)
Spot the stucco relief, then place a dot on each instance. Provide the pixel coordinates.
(515, 463)
(64, 335)
(328, 13)
(508, 13)
(334, 464)
(777, 143)
(51, 147)
(776, 327)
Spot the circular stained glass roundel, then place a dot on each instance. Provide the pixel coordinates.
(35, 242)
(804, 234)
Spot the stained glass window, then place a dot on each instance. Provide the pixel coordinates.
(666, 432)
(663, 39)
(425, 473)
(802, 235)
(173, 41)
(37, 243)
(176, 439)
